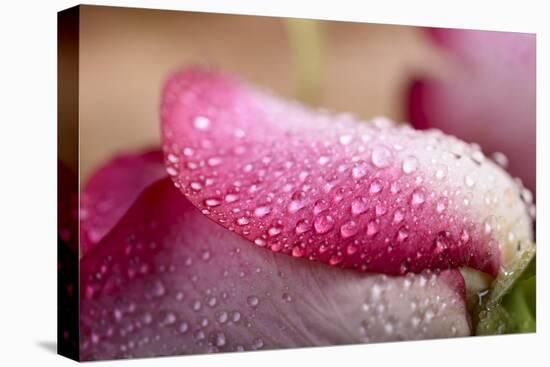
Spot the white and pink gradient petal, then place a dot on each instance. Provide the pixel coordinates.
(371, 196)
(166, 280)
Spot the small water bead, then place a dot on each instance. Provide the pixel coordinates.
(201, 122)
(252, 301)
(418, 197)
(220, 339)
(441, 205)
(188, 152)
(372, 228)
(323, 223)
(398, 216)
(172, 158)
(500, 159)
(298, 201)
(359, 205)
(302, 226)
(345, 139)
(320, 206)
(323, 160)
(169, 319)
(410, 164)
(214, 161)
(196, 186)
(349, 229)
(260, 242)
(231, 198)
(469, 181)
(381, 157)
(402, 235)
(375, 187)
(212, 202)
(351, 249)
(380, 209)
(274, 231)
(236, 316)
(257, 343)
(287, 297)
(196, 305)
(262, 211)
(171, 171)
(297, 251)
(477, 156)
(359, 170)
(526, 196)
(440, 173)
(335, 260)
(158, 289)
(205, 255)
(222, 317)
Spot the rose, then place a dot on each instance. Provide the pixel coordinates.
(280, 227)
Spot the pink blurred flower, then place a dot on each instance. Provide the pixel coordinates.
(487, 98)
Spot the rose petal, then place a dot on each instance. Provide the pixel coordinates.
(167, 280)
(111, 191)
(375, 196)
(488, 98)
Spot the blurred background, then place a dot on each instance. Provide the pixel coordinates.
(126, 54)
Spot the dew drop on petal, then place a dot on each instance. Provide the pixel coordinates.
(323, 223)
(201, 123)
(381, 157)
(410, 164)
(349, 229)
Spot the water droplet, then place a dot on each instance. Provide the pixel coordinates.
(418, 197)
(170, 318)
(375, 187)
(205, 255)
(212, 202)
(345, 139)
(469, 181)
(398, 216)
(298, 201)
(262, 211)
(243, 221)
(214, 161)
(359, 206)
(372, 228)
(236, 316)
(440, 173)
(274, 231)
(171, 171)
(196, 186)
(172, 158)
(220, 339)
(441, 205)
(351, 249)
(323, 223)
(287, 297)
(381, 157)
(320, 206)
(230, 198)
(297, 251)
(222, 317)
(257, 343)
(253, 301)
(158, 289)
(188, 152)
(478, 157)
(259, 242)
(359, 169)
(349, 229)
(500, 159)
(402, 235)
(302, 226)
(201, 123)
(323, 160)
(183, 327)
(410, 164)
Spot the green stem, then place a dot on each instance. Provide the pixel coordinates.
(304, 36)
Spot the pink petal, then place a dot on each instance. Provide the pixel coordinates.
(374, 197)
(488, 98)
(112, 189)
(166, 280)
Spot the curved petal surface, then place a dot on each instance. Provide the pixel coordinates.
(369, 196)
